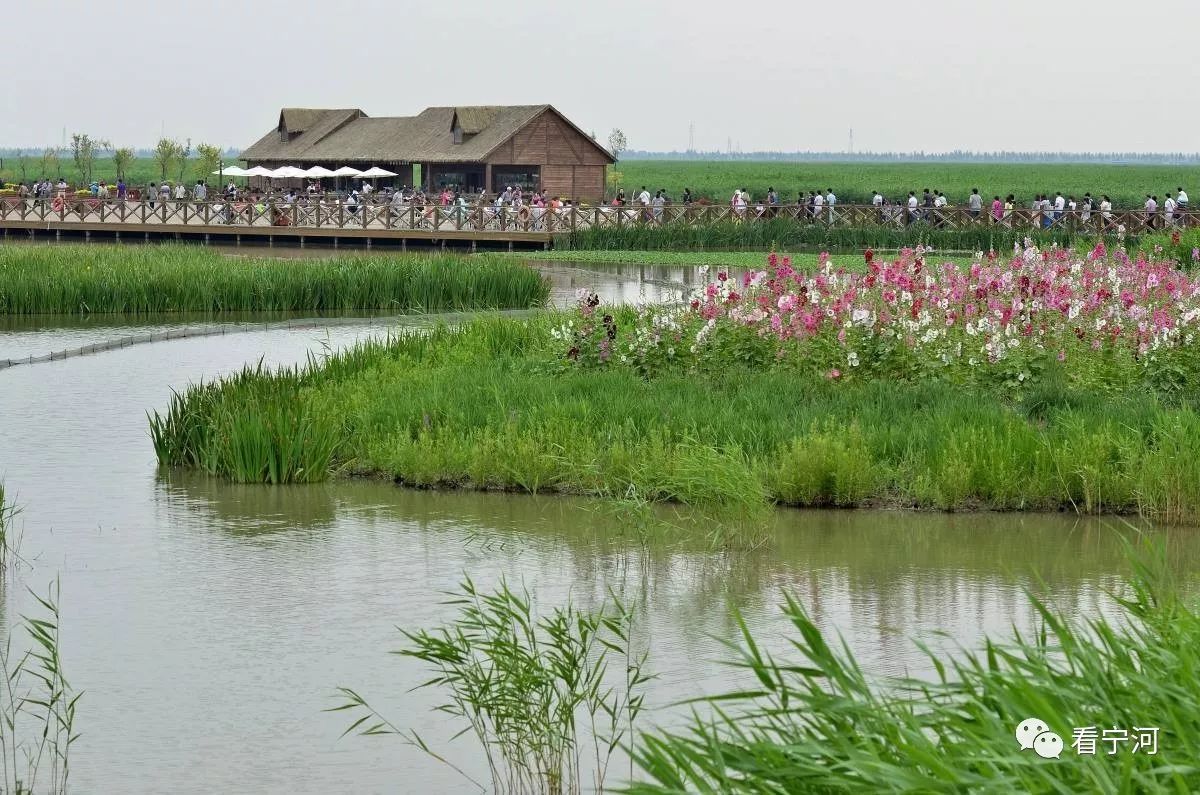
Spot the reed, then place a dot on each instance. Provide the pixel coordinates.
(818, 723)
(534, 692)
(154, 279)
(785, 233)
(492, 405)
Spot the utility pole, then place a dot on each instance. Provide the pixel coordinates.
(851, 149)
(692, 137)
(729, 144)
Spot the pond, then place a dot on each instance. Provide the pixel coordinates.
(209, 623)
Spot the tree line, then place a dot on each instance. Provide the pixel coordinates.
(170, 156)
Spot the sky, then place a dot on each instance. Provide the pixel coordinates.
(1026, 75)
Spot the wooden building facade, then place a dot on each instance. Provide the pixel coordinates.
(472, 147)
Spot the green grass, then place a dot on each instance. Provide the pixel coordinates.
(144, 279)
(731, 259)
(853, 182)
(490, 406)
(814, 722)
(787, 233)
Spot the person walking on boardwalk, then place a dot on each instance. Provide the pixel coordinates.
(975, 203)
(151, 195)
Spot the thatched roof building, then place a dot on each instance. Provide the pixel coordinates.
(474, 147)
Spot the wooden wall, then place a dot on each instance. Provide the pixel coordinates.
(574, 182)
(571, 166)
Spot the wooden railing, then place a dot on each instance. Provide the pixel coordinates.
(489, 218)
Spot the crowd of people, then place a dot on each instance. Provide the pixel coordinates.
(931, 206)
(233, 200)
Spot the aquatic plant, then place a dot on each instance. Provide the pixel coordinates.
(497, 404)
(37, 705)
(1117, 694)
(785, 233)
(536, 692)
(174, 278)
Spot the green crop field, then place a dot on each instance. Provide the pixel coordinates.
(142, 170)
(854, 182)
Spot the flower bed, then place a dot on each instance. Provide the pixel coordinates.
(1105, 319)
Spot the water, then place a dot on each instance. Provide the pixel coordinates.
(208, 623)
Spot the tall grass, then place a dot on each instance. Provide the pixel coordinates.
(150, 279)
(534, 692)
(817, 723)
(786, 232)
(485, 406)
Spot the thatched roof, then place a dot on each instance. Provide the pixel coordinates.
(349, 135)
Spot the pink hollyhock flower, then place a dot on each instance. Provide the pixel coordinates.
(722, 275)
(834, 374)
(1062, 356)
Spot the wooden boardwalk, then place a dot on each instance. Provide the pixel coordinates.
(396, 224)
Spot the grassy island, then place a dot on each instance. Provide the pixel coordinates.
(150, 279)
(1053, 381)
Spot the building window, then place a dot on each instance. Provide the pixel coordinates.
(458, 135)
(527, 178)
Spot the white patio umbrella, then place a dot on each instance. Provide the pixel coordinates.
(232, 171)
(346, 171)
(259, 171)
(288, 172)
(318, 172)
(376, 171)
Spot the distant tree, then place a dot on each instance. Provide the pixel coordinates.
(208, 158)
(50, 162)
(166, 152)
(184, 153)
(615, 178)
(617, 143)
(22, 163)
(122, 159)
(83, 151)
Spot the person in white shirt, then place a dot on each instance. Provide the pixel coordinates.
(830, 201)
(741, 198)
(1059, 204)
(975, 203)
(1169, 211)
(180, 192)
(1151, 209)
(877, 203)
(200, 192)
(912, 207)
(1105, 211)
(939, 201)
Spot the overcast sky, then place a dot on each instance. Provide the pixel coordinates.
(906, 75)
